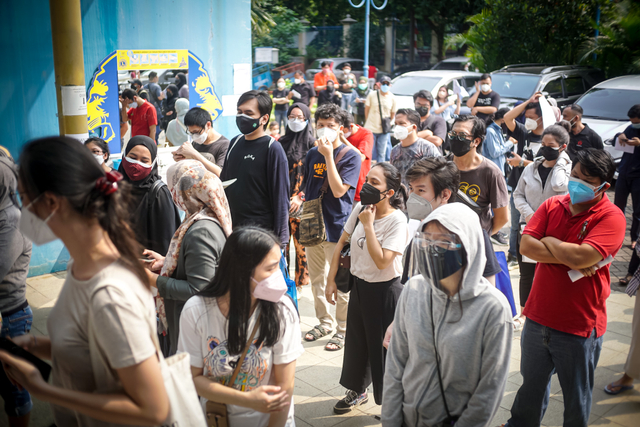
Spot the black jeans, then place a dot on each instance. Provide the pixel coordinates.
(527, 272)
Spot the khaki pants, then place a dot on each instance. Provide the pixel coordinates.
(632, 367)
(318, 260)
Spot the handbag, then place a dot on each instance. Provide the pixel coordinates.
(344, 279)
(312, 228)
(217, 413)
(385, 122)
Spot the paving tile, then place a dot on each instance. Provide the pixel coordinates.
(616, 341)
(318, 411)
(303, 391)
(625, 413)
(323, 377)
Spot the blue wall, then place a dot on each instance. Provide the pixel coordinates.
(217, 31)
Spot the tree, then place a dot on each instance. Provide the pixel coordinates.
(286, 27)
(261, 21)
(529, 31)
(355, 43)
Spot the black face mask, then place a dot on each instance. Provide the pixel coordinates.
(247, 124)
(460, 146)
(423, 111)
(548, 153)
(330, 88)
(370, 195)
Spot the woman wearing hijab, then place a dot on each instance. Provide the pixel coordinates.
(153, 215)
(176, 132)
(192, 258)
(330, 95)
(169, 106)
(296, 143)
(181, 84)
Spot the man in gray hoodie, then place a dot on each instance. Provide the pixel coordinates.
(452, 308)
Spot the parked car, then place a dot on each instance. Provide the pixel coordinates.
(606, 106)
(416, 66)
(404, 86)
(565, 83)
(457, 63)
(336, 65)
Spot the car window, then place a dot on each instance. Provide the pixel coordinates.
(612, 104)
(357, 65)
(518, 86)
(573, 86)
(554, 88)
(593, 78)
(469, 82)
(408, 85)
(455, 66)
(316, 64)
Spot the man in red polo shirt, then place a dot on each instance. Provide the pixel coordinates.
(565, 319)
(362, 140)
(141, 113)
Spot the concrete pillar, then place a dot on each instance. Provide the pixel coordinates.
(389, 40)
(346, 24)
(302, 37)
(68, 62)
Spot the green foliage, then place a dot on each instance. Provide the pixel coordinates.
(261, 21)
(525, 31)
(355, 43)
(282, 35)
(617, 50)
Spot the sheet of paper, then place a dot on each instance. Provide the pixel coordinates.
(229, 105)
(577, 275)
(241, 78)
(548, 117)
(295, 94)
(625, 148)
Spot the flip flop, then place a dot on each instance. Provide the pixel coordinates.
(621, 388)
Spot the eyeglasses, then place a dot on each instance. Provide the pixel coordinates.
(195, 133)
(97, 152)
(459, 135)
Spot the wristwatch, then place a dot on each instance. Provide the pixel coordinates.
(521, 163)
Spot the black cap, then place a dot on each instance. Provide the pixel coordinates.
(385, 79)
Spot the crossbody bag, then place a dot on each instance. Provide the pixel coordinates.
(385, 122)
(344, 279)
(449, 421)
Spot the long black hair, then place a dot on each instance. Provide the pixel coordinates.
(244, 250)
(394, 182)
(65, 167)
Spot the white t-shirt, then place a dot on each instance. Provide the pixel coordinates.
(392, 233)
(203, 334)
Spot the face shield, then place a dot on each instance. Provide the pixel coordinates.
(439, 258)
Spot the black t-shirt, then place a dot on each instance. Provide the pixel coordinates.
(326, 97)
(306, 91)
(528, 146)
(218, 149)
(277, 93)
(630, 163)
(544, 173)
(435, 124)
(587, 138)
(491, 99)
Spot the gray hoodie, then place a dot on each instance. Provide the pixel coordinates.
(474, 344)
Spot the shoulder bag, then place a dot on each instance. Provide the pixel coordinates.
(217, 414)
(385, 122)
(312, 228)
(344, 279)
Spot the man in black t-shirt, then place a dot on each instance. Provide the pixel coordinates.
(302, 91)
(485, 101)
(281, 99)
(432, 128)
(205, 138)
(581, 135)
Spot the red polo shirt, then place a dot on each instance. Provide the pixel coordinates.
(556, 302)
(363, 141)
(142, 118)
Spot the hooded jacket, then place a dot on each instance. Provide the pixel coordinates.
(473, 332)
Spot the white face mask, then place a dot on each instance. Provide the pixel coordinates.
(347, 134)
(201, 137)
(133, 104)
(138, 162)
(35, 229)
(485, 87)
(281, 85)
(297, 81)
(328, 133)
(98, 158)
(272, 288)
(530, 124)
(297, 125)
(400, 133)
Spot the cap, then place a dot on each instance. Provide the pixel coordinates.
(385, 79)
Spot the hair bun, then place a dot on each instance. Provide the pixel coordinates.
(108, 184)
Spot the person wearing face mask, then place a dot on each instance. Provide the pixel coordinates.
(480, 179)
(484, 101)
(155, 98)
(194, 252)
(411, 148)
(358, 99)
(581, 135)
(360, 139)
(443, 107)
(378, 232)
(176, 132)
(566, 320)
(432, 128)
(302, 91)
(141, 113)
(204, 139)
(154, 216)
(169, 106)
(348, 82)
(281, 99)
(331, 173)
(546, 177)
(380, 107)
(528, 137)
(100, 151)
(448, 360)
(181, 84)
(329, 95)
(320, 79)
(245, 303)
(495, 146)
(296, 143)
(258, 164)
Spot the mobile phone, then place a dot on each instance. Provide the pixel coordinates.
(146, 259)
(510, 154)
(41, 365)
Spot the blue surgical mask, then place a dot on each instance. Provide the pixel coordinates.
(635, 125)
(384, 88)
(581, 192)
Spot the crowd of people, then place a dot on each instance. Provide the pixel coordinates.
(396, 235)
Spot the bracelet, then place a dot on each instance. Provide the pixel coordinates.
(521, 162)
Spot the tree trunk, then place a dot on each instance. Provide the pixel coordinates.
(412, 37)
(440, 36)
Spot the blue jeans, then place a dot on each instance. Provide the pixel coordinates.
(381, 147)
(17, 403)
(546, 351)
(280, 117)
(515, 227)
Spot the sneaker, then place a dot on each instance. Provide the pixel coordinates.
(499, 239)
(513, 264)
(351, 400)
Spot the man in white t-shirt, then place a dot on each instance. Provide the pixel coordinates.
(373, 118)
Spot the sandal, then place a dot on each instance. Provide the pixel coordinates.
(518, 324)
(626, 280)
(317, 332)
(609, 388)
(337, 340)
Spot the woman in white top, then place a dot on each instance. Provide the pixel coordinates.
(216, 324)
(443, 107)
(105, 368)
(377, 243)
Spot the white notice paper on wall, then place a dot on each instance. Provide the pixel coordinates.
(74, 100)
(241, 78)
(230, 105)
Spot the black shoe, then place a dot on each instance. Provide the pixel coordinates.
(499, 239)
(352, 400)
